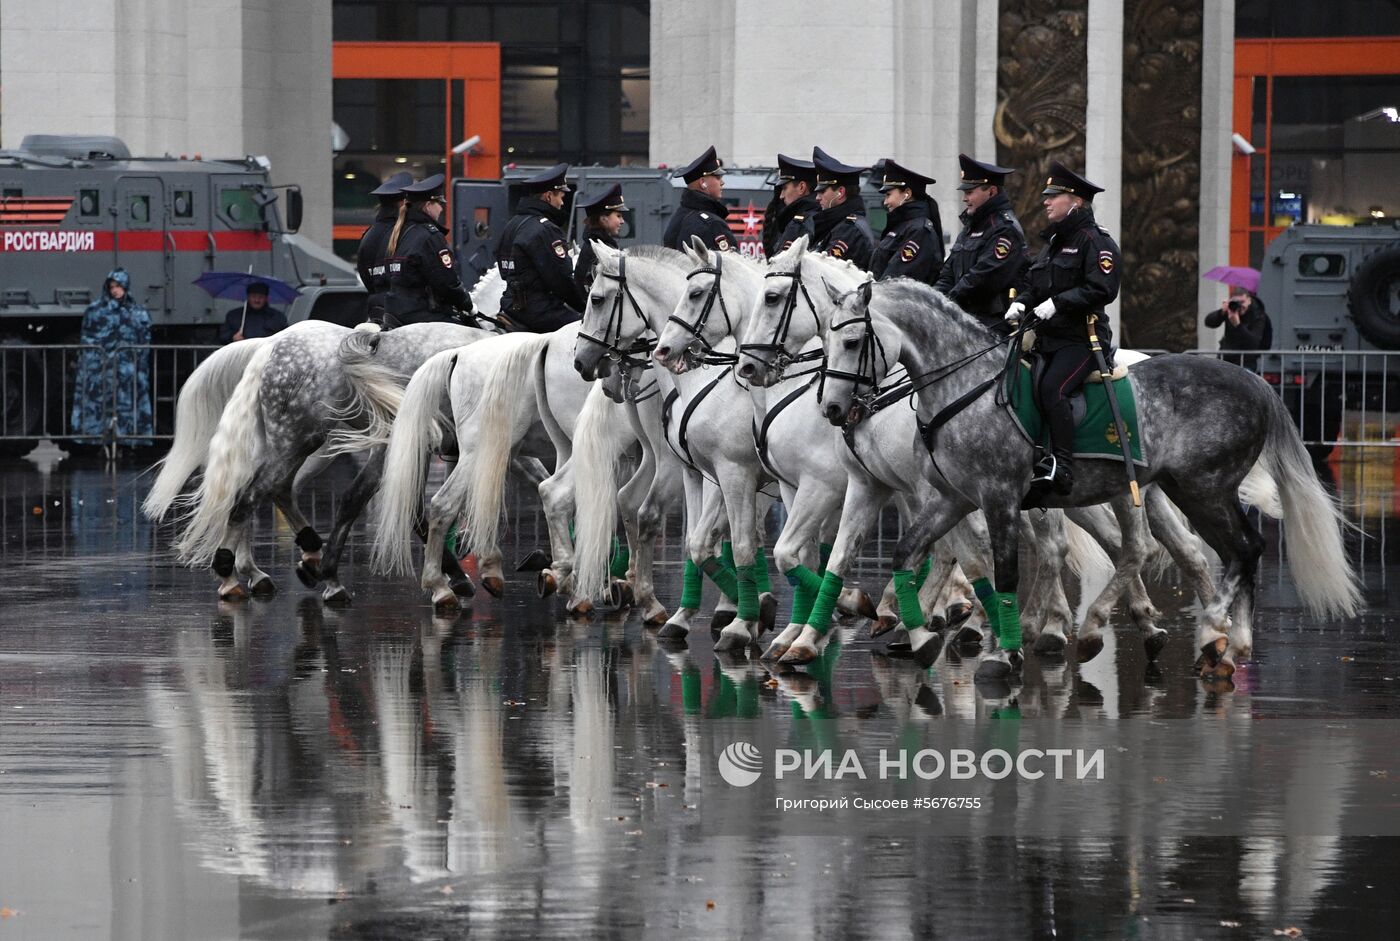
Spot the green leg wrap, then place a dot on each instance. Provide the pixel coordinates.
(690, 586)
(724, 578)
(805, 585)
(621, 555)
(907, 594)
(748, 594)
(726, 555)
(690, 691)
(825, 605)
(825, 553)
(921, 575)
(1008, 620)
(760, 572)
(984, 591)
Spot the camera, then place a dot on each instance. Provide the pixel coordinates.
(1235, 305)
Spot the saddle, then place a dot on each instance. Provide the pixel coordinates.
(1095, 435)
(1036, 364)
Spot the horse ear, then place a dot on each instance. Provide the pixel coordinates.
(699, 250)
(832, 293)
(800, 244)
(603, 251)
(865, 289)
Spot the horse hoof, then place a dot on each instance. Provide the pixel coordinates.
(732, 641)
(545, 583)
(899, 649)
(1050, 645)
(622, 595)
(721, 619)
(263, 588)
(883, 625)
(799, 654)
(445, 602)
(236, 593)
(1210, 655)
(767, 612)
(1087, 648)
(672, 631)
(967, 636)
(494, 585)
(658, 617)
(866, 608)
(926, 653)
(1153, 643)
(534, 562)
(775, 651)
(463, 587)
(308, 573)
(992, 669)
(336, 597)
(955, 614)
(582, 609)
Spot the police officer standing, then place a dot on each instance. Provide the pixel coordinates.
(990, 253)
(702, 212)
(424, 286)
(912, 244)
(541, 295)
(370, 257)
(797, 184)
(1074, 276)
(840, 226)
(604, 220)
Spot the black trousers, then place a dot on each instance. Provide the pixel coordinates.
(1065, 369)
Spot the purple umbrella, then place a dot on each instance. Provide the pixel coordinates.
(1238, 276)
(233, 286)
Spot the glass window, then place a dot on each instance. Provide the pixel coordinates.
(89, 203)
(139, 208)
(1321, 265)
(238, 206)
(184, 204)
(1262, 19)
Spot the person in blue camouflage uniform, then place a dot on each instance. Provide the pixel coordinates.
(115, 320)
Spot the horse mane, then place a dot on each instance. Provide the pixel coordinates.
(907, 290)
(661, 255)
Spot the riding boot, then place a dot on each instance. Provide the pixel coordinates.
(1056, 469)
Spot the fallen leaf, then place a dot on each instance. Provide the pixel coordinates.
(709, 905)
(1348, 659)
(1159, 780)
(8, 913)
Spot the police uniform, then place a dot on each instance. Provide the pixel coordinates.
(700, 214)
(540, 294)
(593, 208)
(424, 286)
(989, 255)
(912, 244)
(1076, 272)
(842, 231)
(374, 244)
(799, 217)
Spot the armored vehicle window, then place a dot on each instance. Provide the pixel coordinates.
(184, 204)
(140, 208)
(1317, 265)
(238, 206)
(89, 203)
(12, 191)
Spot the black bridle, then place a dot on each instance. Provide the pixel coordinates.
(778, 345)
(866, 362)
(700, 351)
(638, 355)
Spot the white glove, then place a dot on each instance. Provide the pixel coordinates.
(1015, 312)
(368, 327)
(1045, 309)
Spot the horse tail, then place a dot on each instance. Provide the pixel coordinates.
(487, 292)
(376, 394)
(197, 410)
(416, 433)
(1259, 490)
(1313, 521)
(1084, 556)
(599, 442)
(509, 380)
(233, 459)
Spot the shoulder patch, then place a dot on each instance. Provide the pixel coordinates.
(909, 250)
(1002, 247)
(558, 246)
(838, 249)
(445, 256)
(1106, 262)
(722, 241)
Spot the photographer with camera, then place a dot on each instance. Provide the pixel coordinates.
(1247, 327)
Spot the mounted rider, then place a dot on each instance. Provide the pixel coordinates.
(1070, 282)
(840, 227)
(702, 212)
(797, 184)
(912, 244)
(424, 286)
(541, 295)
(372, 253)
(989, 256)
(604, 220)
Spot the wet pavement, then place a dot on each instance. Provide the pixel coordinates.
(176, 767)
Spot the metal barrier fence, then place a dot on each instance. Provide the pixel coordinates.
(40, 385)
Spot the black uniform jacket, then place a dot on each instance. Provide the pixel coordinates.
(370, 260)
(424, 284)
(700, 215)
(842, 232)
(911, 245)
(540, 293)
(796, 220)
(583, 268)
(1079, 268)
(986, 261)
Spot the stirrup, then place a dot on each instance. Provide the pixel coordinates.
(1045, 469)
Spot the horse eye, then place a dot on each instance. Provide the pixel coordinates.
(851, 343)
(597, 299)
(770, 298)
(695, 293)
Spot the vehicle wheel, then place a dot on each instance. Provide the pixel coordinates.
(1374, 298)
(21, 398)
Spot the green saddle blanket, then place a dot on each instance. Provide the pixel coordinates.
(1095, 434)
